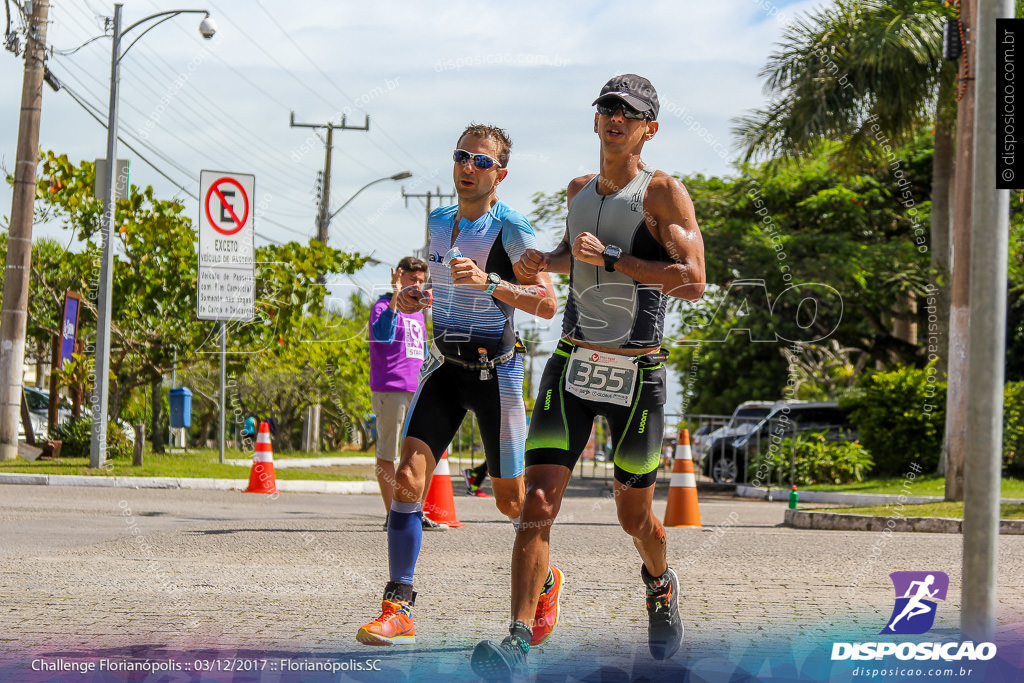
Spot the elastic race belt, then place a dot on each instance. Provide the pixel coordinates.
(648, 359)
(482, 365)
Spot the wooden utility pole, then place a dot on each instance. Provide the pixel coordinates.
(323, 215)
(14, 310)
(959, 311)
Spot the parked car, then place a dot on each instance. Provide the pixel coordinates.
(700, 434)
(729, 463)
(744, 417)
(39, 410)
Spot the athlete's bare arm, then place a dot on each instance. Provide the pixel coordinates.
(535, 295)
(670, 217)
(559, 259)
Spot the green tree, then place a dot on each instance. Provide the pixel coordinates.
(324, 359)
(155, 273)
(869, 74)
(54, 272)
(1015, 294)
(781, 228)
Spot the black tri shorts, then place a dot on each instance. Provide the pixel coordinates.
(447, 392)
(561, 422)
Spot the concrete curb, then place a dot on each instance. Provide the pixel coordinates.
(807, 519)
(284, 486)
(839, 498)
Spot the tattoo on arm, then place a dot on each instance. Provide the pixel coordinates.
(526, 290)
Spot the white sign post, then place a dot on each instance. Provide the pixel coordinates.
(227, 257)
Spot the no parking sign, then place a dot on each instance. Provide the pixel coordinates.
(227, 253)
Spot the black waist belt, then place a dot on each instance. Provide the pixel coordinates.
(482, 365)
(653, 358)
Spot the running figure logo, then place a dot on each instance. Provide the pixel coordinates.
(916, 592)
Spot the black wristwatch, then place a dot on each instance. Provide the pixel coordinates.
(611, 255)
(493, 280)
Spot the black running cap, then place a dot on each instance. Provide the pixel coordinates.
(636, 91)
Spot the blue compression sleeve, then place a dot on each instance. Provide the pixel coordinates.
(405, 535)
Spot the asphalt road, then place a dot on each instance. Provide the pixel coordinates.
(108, 570)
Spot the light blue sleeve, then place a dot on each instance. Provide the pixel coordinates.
(517, 236)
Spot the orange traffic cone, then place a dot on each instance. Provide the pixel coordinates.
(261, 476)
(440, 503)
(682, 507)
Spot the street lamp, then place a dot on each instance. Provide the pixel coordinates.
(97, 447)
(398, 176)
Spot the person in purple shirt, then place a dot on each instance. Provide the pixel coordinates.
(397, 348)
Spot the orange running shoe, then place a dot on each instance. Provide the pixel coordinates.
(546, 618)
(393, 627)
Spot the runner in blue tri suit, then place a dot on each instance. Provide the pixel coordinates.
(472, 364)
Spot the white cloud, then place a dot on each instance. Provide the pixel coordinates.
(532, 67)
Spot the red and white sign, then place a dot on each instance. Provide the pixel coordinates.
(227, 252)
(224, 197)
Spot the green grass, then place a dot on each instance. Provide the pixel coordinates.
(930, 485)
(943, 509)
(202, 463)
(347, 453)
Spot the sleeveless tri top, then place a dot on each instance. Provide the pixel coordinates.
(613, 309)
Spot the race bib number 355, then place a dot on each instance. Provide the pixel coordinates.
(601, 377)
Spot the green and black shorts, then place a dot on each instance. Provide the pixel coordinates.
(562, 421)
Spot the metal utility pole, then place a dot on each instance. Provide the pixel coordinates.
(116, 187)
(429, 196)
(989, 246)
(98, 444)
(323, 215)
(223, 362)
(14, 310)
(955, 442)
(174, 384)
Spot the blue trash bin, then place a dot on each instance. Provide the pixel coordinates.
(181, 408)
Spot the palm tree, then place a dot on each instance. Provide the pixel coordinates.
(867, 73)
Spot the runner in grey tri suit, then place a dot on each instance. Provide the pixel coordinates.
(631, 241)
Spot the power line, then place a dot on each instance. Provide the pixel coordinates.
(96, 13)
(185, 98)
(285, 227)
(88, 109)
(144, 158)
(317, 93)
(95, 108)
(183, 142)
(333, 83)
(201, 111)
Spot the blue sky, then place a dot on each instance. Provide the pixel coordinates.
(421, 71)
